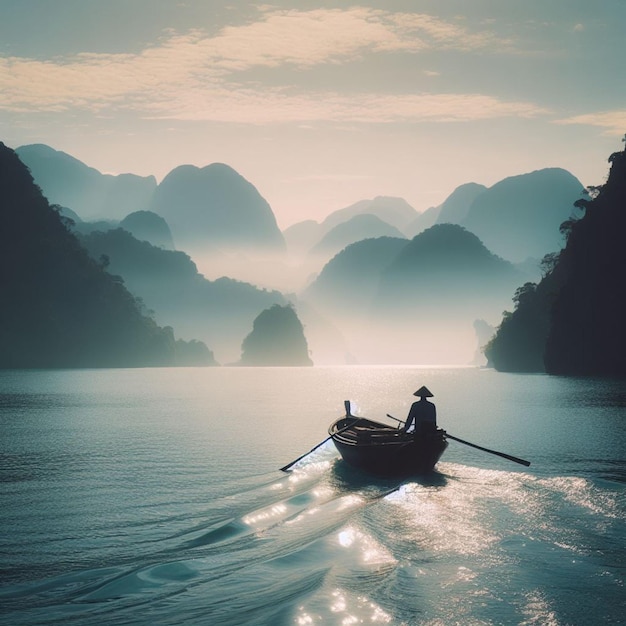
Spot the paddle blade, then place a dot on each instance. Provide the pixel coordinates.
(510, 457)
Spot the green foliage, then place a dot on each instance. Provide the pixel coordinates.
(572, 322)
(59, 307)
(588, 335)
(518, 344)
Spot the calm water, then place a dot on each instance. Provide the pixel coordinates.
(153, 497)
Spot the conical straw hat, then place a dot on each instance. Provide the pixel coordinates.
(423, 392)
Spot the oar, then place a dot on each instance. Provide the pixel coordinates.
(473, 445)
(346, 403)
(502, 454)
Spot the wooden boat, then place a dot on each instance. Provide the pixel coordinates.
(391, 452)
(383, 450)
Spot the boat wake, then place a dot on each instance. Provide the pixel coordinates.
(275, 527)
(324, 543)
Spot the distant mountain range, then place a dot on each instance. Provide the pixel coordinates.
(572, 322)
(446, 271)
(68, 182)
(356, 228)
(520, 216)
(395, 211)
(387, 291)
(457, 205)
(350, 281)
(60, 308)
(387, 216)
(379, 260)
(219, 312)
(215, 207)
(143, 225)
(212, 211)
(209, 207)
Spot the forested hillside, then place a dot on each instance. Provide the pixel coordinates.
(572, 322)
(59, 307)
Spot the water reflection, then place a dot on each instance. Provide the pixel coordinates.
(346, 478)
(142, 497)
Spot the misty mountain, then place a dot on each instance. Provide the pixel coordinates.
(572, 322)
(143, 225)
(59, 307)
(66, 181)
(399, 301)
(349, 281)
(432, 293)
(302, 236)
(446, 271)
(219, 312)
(84, 228)
(357, 228)
(277, 339)
(422, 221)
(519, 217)
(395, 211)
(452, 210)
(456, 206)
(214, 207)
(150, 227)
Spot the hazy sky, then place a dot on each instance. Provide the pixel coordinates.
(320, 104)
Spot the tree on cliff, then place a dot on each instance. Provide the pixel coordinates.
(572, 322)
(60, 308)
(277, 338)
(588, 334)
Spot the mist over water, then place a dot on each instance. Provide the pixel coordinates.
(346, 323)
(153, 496)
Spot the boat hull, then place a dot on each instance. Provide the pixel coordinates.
(378, 449)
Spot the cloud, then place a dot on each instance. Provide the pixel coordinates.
(192, 76)
(614, 122)
(309, 38)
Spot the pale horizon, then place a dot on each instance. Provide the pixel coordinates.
(324, 105)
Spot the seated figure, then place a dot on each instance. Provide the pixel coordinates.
(422, 417)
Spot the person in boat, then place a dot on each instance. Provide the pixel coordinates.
(422, 416)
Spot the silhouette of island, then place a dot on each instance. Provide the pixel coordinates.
(572, 321)
(277, 339)
(60, 308)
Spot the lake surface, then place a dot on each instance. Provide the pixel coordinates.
(153, 496)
